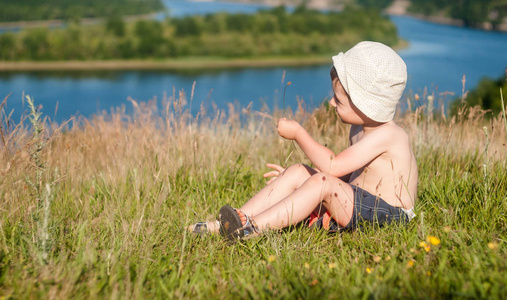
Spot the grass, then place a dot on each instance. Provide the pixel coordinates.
(123, 187)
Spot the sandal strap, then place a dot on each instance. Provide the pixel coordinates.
(249, 227)
(202, 227)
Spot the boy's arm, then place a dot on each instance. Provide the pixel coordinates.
(344, 163)
(355, 130)
(318, 154)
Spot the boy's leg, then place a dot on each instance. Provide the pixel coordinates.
(336, 195)
(291, 179)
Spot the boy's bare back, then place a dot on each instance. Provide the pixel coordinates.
(392, 174)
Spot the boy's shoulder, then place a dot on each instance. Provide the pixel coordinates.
(388, 132)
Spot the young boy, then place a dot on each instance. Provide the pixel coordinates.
(374, 179)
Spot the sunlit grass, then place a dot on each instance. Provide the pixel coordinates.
(123, 187)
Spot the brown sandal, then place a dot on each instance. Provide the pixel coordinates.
(231, 226)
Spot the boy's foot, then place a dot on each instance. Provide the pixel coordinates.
(235, 224)
(204, 227)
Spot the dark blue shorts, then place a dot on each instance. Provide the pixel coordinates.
(368, 207)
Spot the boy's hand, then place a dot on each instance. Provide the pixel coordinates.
(288, 128)
(277, 171)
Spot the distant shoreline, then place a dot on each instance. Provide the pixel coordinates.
(186, 64)
(189, 63)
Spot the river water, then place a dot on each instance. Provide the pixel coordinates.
(437, 58)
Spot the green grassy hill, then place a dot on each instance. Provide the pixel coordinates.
(98, 211)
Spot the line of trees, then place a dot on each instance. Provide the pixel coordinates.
(35, 10)
(274, 32)
(472, 12)
(378, 4)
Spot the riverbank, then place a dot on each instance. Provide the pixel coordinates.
(187, 63)
(191, 63)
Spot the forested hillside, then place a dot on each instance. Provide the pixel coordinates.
(472, 12)
(33, 10)
(275, 32)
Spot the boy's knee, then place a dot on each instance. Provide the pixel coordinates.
(297, 169)
(324, 179)
(320, 178)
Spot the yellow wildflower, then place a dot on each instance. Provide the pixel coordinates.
(332, 265)
(433, 240)
(368, 270)
(492, 245)
(410, 263)
(271, 258)
(426, 247)
(428, 273)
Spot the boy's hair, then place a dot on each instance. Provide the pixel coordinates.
(374, 76)
(333, 73)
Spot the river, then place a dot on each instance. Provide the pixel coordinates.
(437, 58)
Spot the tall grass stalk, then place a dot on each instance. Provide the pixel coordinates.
(45, 224)
(503, 110)
(41, 190)
(485, 167)
(38, 146)
(284, 90)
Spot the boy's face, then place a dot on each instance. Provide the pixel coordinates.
(347, 111)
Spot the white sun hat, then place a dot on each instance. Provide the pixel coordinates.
(374, 76)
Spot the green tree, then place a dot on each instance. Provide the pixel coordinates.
(472, 12)
(126, 49)
(7, 46)
(71, 46)
(281, 14)
(216, 23)
(36, 44)
(72, 10)
(486, 95)
(187, 26)
(377, 4)
(150, 37)
(116, 25)
(239, 22)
